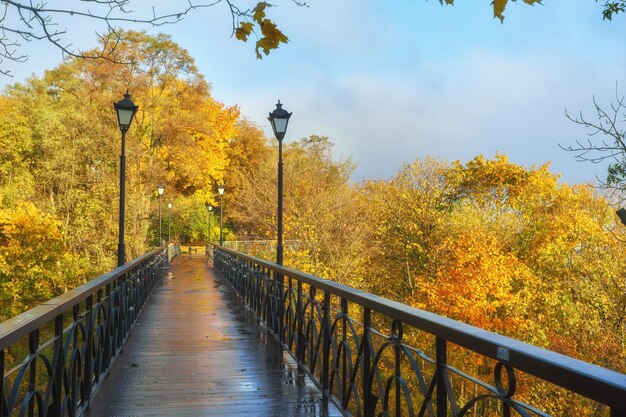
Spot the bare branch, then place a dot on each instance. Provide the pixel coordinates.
(606, 141)
(33, 20)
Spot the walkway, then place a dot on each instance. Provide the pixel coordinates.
(196, 351)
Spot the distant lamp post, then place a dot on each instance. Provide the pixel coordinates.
(125, 110)
(220, 190)
(621, 213)
(169, 222)
(279, 119)
(160, 190)
(209, 208)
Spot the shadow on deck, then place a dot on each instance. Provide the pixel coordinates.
(196, 351)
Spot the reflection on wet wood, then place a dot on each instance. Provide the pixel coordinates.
(196, 351)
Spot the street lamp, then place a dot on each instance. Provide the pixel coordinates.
(169, 222)
(209, 207)
(279, 119)
(160, 190)
(125, 110)
(220, 190)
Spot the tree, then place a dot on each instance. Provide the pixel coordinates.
(28, 21)
(34, 264)
(61, 143)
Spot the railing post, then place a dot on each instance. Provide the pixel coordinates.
(326, 346)
(86, 394)
(2, 400)
(300, 318)
(442, 392)
(33, 347)
(344, 353)
(367, 354)
(280, 281)
(57, 364)
(312, 341)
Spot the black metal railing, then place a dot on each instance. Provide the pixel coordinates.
(373, 356)
(54, 356)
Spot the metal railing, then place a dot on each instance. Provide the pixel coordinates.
(82, 331)
(373, 356)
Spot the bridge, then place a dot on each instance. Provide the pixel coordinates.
(231, 334)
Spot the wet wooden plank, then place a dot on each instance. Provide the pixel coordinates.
(196, 351)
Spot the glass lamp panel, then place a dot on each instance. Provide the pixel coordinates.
(124, 117)
(280, 125)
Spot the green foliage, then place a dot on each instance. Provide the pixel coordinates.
(612, 8)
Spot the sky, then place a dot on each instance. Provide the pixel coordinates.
(392, 81)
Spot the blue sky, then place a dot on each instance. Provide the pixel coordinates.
(391, 81)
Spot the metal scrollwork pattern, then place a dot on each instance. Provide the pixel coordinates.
(330, 330)
(85, 331)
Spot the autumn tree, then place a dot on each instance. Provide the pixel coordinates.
(68, 140)
(34, 264)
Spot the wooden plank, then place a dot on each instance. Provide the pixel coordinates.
(196, 351)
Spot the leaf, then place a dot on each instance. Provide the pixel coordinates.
(259, 11)
(243, 31)
(498, 9)
(272, 37)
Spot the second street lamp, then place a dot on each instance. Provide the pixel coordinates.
(220, 190)
(279, 119)
(169, 222)
(125, 110)
(209, 208)
(160, 190)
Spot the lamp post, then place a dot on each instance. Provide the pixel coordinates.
(160, 190)
(621, 213)
(220, 190)
(169, 222)
(279, 119)
(125, 110)
(209, 208)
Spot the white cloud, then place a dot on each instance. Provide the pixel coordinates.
(485, 103)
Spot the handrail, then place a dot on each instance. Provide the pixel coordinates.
(599, 384)
(21, 325)
(85, 329)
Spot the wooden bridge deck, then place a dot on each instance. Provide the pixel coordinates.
(196, 351)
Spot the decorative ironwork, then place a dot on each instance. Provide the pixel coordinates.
(84, 331)
(369, 372)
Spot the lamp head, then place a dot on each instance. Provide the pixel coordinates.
(125, 109)
(279, 119)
